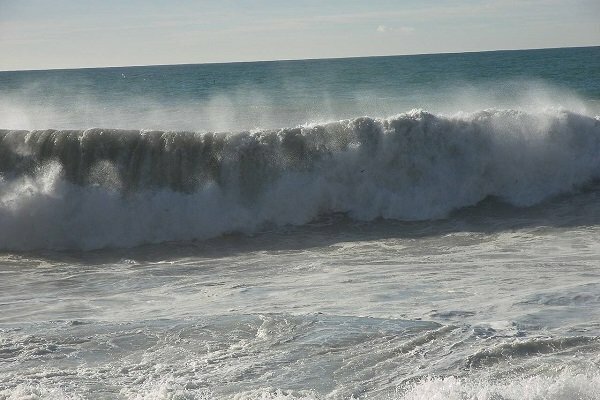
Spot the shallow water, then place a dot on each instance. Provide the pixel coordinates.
(500, 307)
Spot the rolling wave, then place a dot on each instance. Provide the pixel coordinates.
(99, 188)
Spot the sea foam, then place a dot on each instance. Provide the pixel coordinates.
(565, 385)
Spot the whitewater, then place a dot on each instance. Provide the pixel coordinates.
(420, 227)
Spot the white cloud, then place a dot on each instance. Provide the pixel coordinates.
(400, 29)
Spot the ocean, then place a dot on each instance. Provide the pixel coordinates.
(405, 227)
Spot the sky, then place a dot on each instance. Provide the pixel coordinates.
(45, 34)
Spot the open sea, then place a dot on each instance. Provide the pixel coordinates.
(412, 227)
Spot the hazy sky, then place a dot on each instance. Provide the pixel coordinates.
(39, 34)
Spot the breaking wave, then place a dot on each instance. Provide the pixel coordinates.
(118, 188)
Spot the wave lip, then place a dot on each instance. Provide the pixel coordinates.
(107, 187)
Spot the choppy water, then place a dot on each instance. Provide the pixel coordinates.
(245, 231)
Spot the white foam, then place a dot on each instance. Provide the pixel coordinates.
(566, 385)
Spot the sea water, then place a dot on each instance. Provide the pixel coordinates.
(415, 227)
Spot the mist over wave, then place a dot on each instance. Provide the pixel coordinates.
(31, 107)
(117, 188)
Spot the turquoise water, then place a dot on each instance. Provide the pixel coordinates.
(233, 97)
(419, 227)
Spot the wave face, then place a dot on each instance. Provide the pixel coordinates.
(102, 188)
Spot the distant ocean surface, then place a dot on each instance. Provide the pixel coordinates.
(408, 227)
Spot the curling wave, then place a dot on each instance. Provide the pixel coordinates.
(102, 188)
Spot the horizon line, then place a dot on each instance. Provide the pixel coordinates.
(295, 59)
